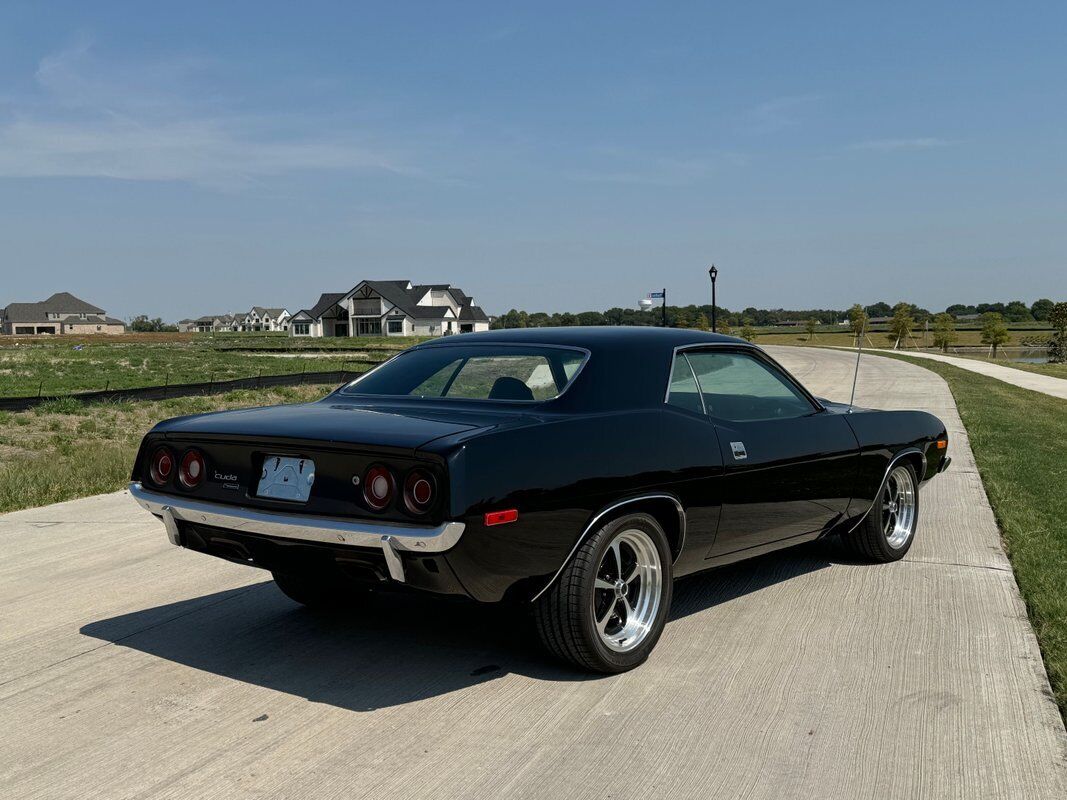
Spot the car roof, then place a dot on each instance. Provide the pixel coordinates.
(600, 337)
(629, 367)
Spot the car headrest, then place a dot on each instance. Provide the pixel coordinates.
(506, 388)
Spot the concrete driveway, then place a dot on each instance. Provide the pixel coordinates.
(129, 668)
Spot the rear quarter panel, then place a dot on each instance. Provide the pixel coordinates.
(558, 473)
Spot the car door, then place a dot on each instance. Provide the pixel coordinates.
(788, 463)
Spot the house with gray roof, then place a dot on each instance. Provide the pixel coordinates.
(391, 308)
(60, 314)
(259, 318)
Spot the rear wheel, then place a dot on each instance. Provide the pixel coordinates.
(606, 610)
(314, 591)
(888, 530)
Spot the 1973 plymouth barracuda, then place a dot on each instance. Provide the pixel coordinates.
(580, 470)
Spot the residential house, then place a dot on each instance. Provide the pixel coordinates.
(266, 319)
(60, 314)
(391, 308)
(258, 319)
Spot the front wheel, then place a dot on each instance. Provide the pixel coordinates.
(606, 610)
(888, 530)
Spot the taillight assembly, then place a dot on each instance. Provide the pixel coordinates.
(379, 486)
(191, 470)
(161, 466)
(420, 491)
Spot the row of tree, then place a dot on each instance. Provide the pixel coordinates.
(994, 330)
(699, 316)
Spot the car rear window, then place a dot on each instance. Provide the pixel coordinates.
(483, 372)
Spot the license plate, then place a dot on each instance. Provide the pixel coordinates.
(286, 478)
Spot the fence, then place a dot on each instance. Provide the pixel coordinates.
(181, 389)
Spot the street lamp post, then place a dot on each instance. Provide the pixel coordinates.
(714, 273)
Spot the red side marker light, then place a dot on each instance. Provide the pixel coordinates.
(942, 444)
(501, 517)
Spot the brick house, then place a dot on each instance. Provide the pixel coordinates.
(60, 314)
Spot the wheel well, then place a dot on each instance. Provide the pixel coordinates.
(669, 515)
(916, 461)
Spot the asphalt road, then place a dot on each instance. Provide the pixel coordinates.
(129, 668)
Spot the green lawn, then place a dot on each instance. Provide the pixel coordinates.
(65, 449)
(1019, 439)
(67, 364)
(837, 337)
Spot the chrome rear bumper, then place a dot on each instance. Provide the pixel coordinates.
(391, 538)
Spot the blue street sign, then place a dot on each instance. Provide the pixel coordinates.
(656, 295)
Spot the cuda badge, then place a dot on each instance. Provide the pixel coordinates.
(739, 450)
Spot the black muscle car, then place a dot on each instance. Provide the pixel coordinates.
(579, 470)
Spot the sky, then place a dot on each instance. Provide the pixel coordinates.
(206, 157)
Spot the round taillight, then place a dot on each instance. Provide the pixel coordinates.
(378, 487)
(420, 490)
(191, 470)
(161, 467)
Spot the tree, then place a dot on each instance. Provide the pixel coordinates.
(1057, 345)
(748, 333)
(944, 331)
(810, 327)
(902, 323)
(857, 318)
(723, 326)
(702, 322)
(142, 324)
(1017, 311)
(1042, 308)
(994, 331)
(878, 310)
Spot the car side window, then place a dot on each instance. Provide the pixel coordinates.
(684, 392)
(739, 387)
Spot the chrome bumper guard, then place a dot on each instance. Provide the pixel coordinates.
(391, 538)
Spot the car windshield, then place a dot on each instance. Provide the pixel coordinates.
(476, 372)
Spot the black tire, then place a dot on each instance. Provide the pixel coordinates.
(314, 591)
(564, 614)
(870, 540)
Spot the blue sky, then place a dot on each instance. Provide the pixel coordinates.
(208, 156)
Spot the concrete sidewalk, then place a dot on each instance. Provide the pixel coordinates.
(130, 668)
(1046, 384)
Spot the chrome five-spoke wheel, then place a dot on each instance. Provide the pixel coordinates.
(608, 606)
(899, 507)
(887, 531)
(627, 590)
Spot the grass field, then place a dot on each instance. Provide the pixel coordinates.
(969, 337)
(1018, 440)
(55, 366)
(65, 449)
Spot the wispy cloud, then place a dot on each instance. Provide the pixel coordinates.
(780, 113)
(146, 122)
(889, 145)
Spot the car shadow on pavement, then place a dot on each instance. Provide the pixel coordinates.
(391, 648)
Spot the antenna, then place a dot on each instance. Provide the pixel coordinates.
(856, 374)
